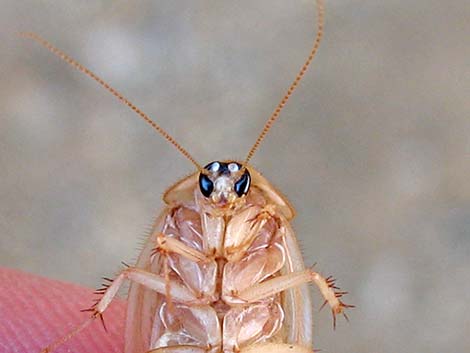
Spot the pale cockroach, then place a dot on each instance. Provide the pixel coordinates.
(221, 269)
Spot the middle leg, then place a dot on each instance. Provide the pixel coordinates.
(329, 291)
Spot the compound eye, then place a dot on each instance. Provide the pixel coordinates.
(243, 184)
(205, 185)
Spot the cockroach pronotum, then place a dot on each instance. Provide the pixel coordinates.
(221, 269)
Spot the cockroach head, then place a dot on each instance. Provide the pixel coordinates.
(224, 182)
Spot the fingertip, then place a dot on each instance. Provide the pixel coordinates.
(36, 311)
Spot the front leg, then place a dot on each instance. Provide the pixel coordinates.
(167, 245)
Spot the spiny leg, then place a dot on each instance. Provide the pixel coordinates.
(329, 291)
(149, 280)
(330, 282)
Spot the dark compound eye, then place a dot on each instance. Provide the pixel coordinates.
(205, 185)
(243, 184)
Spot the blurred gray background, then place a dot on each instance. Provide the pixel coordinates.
(373, 149)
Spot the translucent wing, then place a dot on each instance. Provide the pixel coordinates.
(142, 303)
(298, 306)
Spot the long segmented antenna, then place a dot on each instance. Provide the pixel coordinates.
(110, 89)
(269, 123)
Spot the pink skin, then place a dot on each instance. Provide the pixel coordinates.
(34, 311)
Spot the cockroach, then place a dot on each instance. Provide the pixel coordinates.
(221, 269)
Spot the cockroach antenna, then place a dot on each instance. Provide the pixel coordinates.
(275, 115)
(74, 63)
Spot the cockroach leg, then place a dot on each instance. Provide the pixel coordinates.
(166, 245)
(276, 285)
(267, 212)
(166, 273)
(51, 347)
(332, 295)
(149, 280)
(172, 245)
